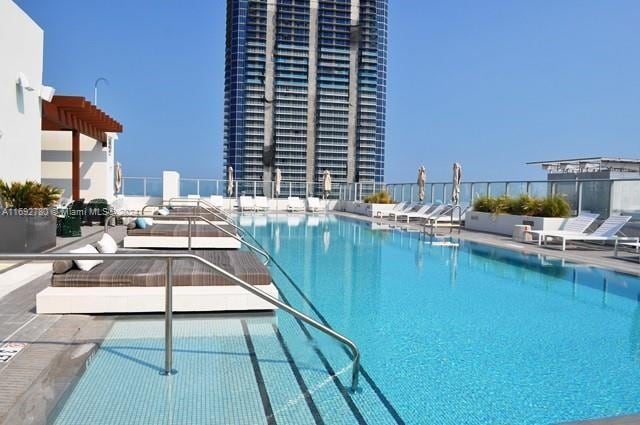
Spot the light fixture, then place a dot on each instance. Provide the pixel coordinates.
(46, 93)
(23, 81)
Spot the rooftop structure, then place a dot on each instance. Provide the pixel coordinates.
(305, 89)
(590, 165)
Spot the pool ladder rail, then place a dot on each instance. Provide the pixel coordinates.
(169, 258)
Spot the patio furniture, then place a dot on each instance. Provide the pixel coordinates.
(577, 224)
(606, 232)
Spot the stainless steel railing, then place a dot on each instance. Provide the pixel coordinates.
(169, 258)
(190, 219)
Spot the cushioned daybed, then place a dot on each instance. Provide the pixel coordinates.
(137, 286)
(162, 235)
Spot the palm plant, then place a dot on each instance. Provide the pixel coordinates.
(29, 194)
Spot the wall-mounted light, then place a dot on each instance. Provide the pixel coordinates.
(46, 93)
(23, 82)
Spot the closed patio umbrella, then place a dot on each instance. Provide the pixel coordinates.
(278, 181)
(230, 181)
(326, 183)
(422, 178)
(457, 177)
(117, 180)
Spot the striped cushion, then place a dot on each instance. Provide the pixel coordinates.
(149, 273)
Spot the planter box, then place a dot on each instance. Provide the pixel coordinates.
(502, 224)
(26, 233)
(362, 208)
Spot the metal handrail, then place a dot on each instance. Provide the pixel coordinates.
(169, 258)
(218, 213)
(208, 207)
(189, 218)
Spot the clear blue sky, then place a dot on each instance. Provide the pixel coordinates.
(490, 84)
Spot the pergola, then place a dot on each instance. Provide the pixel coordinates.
(78, 115)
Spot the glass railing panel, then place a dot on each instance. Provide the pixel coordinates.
(133, 186)
(497, 188)
(516, 188)
(596, 197)
(479, 189)
(625, 198)
(569, 191)
(153, 187)
(539, 189)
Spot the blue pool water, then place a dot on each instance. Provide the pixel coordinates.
(450, 334)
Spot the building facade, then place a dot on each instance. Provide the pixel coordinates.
(305, 89)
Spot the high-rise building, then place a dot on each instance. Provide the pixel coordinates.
(305, 89)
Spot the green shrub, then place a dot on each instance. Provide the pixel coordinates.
(28, 195)
(553, 206)
(381, 197)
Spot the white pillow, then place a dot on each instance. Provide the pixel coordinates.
(86, 265)
(148, 220)
(163, 211)
(106, 245)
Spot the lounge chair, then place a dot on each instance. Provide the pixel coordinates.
(137, 286)
(246, 203)
(407, 209)
(162, 235)
(444, 216)
(577, 224)
(261, 203)
(425, 212)
(217, 201)
(396, 208)
(313, 204)
(295, 204)
(606, 232)
(634, 244)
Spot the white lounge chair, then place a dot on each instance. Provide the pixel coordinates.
(425, 213)
(396, 208)
(261, 203)
(445, 217)
(407, 209)
(606, 232)
(295, 204)
(635, 244)
(246, 203)
(217, 201)
(577, 224)
(313, 204)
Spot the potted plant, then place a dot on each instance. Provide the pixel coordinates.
(500, 214)
(379, 201)
(27, 223)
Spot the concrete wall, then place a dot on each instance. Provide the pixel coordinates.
(96, 165)
(21, 50)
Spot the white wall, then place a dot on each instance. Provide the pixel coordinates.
(21, 50)
(96, 165)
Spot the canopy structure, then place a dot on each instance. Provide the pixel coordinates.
(78, 115)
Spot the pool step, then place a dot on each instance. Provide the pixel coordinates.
(309, 384)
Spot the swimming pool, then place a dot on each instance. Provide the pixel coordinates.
(450, 333)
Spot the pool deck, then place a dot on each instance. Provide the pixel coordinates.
(57, 347)
(589, 254)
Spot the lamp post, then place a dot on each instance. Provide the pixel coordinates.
(95, 89)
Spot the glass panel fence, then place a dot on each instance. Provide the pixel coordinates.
(569, 191)
(153, 187)
(497, 188)
(133, 186)
(595, 197)
(625, 198)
